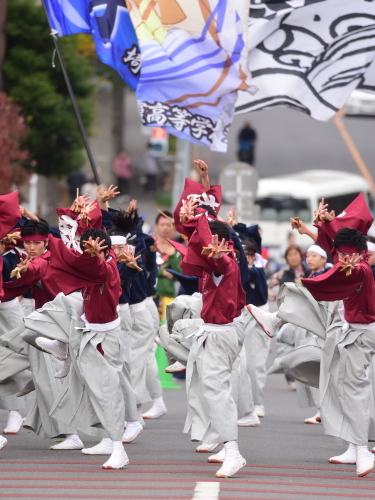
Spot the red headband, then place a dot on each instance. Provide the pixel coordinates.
(35, 237)
(347, 249)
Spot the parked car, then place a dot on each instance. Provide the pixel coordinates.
(360, 103)
(298, 195)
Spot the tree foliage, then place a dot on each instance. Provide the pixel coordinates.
(54, 141)
(12, 133)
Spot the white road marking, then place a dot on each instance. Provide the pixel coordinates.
(206, 491)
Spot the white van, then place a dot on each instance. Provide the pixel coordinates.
(298, 195)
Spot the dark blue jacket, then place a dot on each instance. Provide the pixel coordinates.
(253, 279)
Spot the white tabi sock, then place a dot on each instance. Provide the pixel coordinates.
(348, 457)
(233, 460)
(65, 369)
(118, 459)
(133, 429)
(249, 420)
(3, 442)
(58, 349)
(207, 448)
(157, 409)
(71, 442)
(15, 422)
(365, 460)
(105, 447)
(218, 458)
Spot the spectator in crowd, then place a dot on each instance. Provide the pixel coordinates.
(168, 258)
(123, 170)
(75, 181)
(149, 167)
(246, 144)
(295, 270)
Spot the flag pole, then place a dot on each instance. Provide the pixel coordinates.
(73, 100)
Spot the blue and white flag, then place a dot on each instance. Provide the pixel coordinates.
(309, 54)
(109, 23)
(194, 61)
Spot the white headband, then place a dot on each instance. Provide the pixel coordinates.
(371, 246)
(118, 240)
(317, 249)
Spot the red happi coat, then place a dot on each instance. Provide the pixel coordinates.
(355, 216)
(98, 279)
(37, 278)
(223, 297)
(357, 291)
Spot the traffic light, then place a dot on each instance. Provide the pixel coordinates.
(159, 141)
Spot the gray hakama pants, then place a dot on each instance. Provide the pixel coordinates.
(178, 342)
(285, 341)
(152, 374)
(141, 341)
(131, 414)
(257, 346)
(212, 411)
(11, 316)
(175, 336)
(91, 397)
(28, 306)
(96, 405)
(54, 321)
(307, 396)
(344, 384)
(241, 385)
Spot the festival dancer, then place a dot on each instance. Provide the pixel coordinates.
(212, 415)
(34, 273)
(158, 408)
(11, 316)
(344, 385)
(316, 260)
(124, 225)
(257, 345)
(102, 343)
(9, 216)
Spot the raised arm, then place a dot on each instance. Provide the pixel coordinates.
(302, 228)
(203, 169)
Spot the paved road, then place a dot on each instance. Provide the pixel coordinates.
(286, 460)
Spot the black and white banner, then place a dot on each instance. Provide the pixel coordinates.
(309, 54)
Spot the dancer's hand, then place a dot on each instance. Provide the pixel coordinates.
(349, 262)
(83, 200)
(132, 206)
(203, 169)
(155, 246)
(85, 211)
(216, 249)
(129, 258)
(94, 247)
(27, 213)
(231, 221)
(21, 267)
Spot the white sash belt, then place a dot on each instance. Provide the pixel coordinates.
(358, 326)
(9, 304)
(140, 306)
(210, 327)
(98, 327)
(27, 302)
